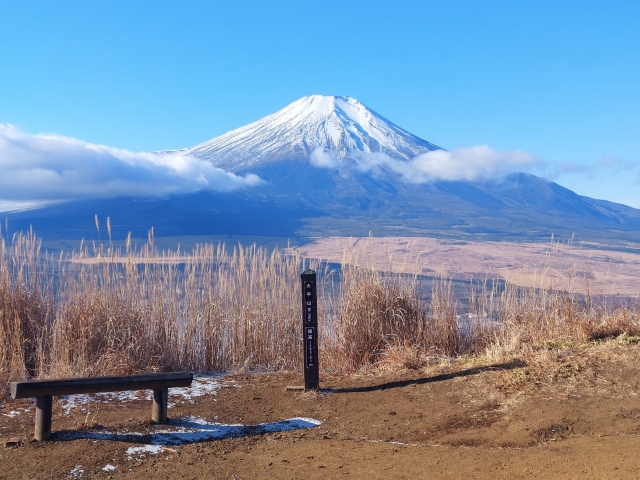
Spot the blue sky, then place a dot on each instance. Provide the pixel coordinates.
(559, 80)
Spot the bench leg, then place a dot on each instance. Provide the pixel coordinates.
(43, 417)
(159, 410)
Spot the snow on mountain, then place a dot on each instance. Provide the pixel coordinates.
(380, 195)
(340, 126)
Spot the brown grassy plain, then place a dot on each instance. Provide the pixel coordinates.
(578, 267)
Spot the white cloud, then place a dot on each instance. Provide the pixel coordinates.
(322, 159)
(472, 163)
(36, 168)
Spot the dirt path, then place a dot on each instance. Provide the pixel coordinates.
(570, 413)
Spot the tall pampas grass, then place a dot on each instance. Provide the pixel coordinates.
(104, 310)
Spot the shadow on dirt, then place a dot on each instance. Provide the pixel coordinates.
(437, 378)
(191, 430)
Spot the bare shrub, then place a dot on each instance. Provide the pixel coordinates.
(376, 312)
(104, 310)
(26, 308)
(119, 312)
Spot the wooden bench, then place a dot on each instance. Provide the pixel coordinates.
(44, 390)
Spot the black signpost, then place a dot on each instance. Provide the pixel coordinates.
(310, 330)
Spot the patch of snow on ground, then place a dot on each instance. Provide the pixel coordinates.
(194, 429)
(109, 468)
(19, 411)
(141, 451)
(76, 472)
(202, 385)
(68, 402)
(189, 430)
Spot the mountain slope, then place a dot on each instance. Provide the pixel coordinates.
(340, 125)
(300, 199)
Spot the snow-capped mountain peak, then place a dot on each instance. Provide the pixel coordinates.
(340, 126)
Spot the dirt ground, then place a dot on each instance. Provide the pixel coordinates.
(564, 413)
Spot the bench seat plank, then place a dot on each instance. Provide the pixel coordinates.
(71, 386)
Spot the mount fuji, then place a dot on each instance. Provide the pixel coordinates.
(341, 126)
(331, 166)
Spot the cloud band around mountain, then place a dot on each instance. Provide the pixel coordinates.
(52, 167)
(468, 164)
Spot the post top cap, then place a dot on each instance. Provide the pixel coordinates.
(308, 271)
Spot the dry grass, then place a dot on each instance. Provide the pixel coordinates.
(102, 310)
(215, 310)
